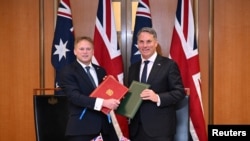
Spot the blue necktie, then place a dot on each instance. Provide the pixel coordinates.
(90, 76)
(144, 72)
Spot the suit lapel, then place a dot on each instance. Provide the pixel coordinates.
(82, 73)
(137, 72)
(97, 69)
(155, 69)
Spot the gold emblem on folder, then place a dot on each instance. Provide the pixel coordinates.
(109, 92)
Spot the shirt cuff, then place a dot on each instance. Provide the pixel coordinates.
(98, 104)
(158, 101)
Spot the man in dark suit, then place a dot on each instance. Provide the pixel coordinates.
(156, 118)
(77, 85)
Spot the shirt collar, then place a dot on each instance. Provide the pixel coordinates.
(83, 65)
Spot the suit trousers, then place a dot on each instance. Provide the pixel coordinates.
(142, 136)
(108, 137)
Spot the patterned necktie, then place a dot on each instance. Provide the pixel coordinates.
(144, 72)
(90, 76)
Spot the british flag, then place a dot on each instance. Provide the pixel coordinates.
(63, 43)
(107, 52)
(184, 51)
(142, 19)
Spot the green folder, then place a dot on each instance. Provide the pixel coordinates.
(131, 102)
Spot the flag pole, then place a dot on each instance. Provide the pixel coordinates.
(196, 17)
(116, 125)
(211, 63)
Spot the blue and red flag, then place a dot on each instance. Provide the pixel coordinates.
(142, 19)
(184, 51)
(63, 43)
(107, 52)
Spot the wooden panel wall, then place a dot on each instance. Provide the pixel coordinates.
(20, 65)
(27, 45)
(201, 17)
(231, 67)
(19, 68)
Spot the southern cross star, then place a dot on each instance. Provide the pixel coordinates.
(61, 49)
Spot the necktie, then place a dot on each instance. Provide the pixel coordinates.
(90, 76)
(144, 72)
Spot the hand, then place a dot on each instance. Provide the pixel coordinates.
(148, 94)
(111, 103)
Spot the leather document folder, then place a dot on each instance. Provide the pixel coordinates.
(132, 100)
(109, 88)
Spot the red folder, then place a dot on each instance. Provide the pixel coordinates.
(109, 88)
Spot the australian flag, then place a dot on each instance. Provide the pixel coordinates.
(63, 43)
(143, 19)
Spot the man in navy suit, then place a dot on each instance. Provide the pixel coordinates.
(77, 85)
(156, 118)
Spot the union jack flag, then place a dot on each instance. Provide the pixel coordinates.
(63, 43)
(143, 19)
(185, 52)
(107, 52)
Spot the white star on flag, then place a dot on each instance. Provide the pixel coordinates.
(137, 52)
(61, 49)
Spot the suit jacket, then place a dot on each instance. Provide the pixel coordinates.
(77, 86)
(165, 80)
